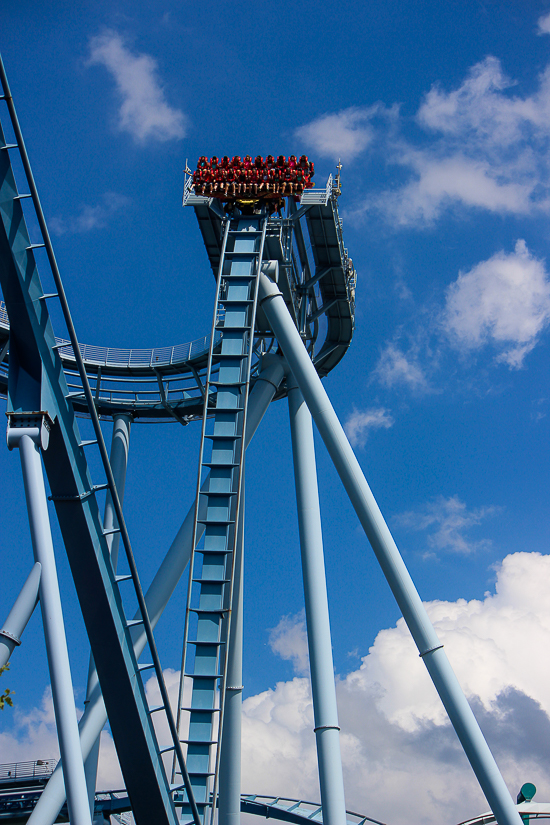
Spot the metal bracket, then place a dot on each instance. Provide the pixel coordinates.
(36, 425)
(80, 497)
(326, 727)
(10, 636)
(431, 650)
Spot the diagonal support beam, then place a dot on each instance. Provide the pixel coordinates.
(389, 558)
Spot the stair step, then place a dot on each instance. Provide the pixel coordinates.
(209, 612)
(206, 644)
(212, 581)
(215, 494)
(202, 710)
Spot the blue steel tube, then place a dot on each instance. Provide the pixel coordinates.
(327, 731)
(229, 804)
(19, 615)
(161, 588)
(120, 445)
(389, 558)
(54, 632)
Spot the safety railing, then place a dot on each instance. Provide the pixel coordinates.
(300, 807)
(314, 197)
(27, 770)
(130, 358)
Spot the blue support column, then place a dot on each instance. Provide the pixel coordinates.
(229, 804)
(52, 618)
(327, 731)
(19, 615)
(389, 558)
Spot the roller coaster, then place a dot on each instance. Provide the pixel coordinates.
(283, 318)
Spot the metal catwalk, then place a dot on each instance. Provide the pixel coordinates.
(283, 318)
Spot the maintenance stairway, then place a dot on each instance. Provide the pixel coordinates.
(216, 535)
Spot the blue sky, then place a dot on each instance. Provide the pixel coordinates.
(439, 113)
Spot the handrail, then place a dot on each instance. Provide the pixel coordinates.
(20, 770)
(130, 358)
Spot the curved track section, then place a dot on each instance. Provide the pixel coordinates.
(16, 807)
(305, 250)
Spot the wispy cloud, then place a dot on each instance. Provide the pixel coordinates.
(289, 641)
(90, 217)
(478, 146)
(448, 522)
(144, 112)
(543, 24)
(395, 368)
(344, 134)
(504, 301)
(359, 424)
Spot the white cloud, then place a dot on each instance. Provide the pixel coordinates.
(543, 24)
(361, 422)
(402, 761)
(144, 112)
(289, 640)
(491, 643)
(479, 146)
(490, 150)
(441, 182)
(395, 368)
(344, 134)
(504, 301)
(448, 520)
(32, 736)
(91, 217)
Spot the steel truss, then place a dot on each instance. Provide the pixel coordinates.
(273, 295)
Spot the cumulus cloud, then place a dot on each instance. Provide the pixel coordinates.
(32, 735)
(448, 521)
(144, 111)
(504, 301)
(344, 134)
(361, 422)
(91, 217)
(396, 368)
(402, 761)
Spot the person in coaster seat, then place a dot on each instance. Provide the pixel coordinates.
(231, 181)
(197, 183)
(236, 163)
(247, 162)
